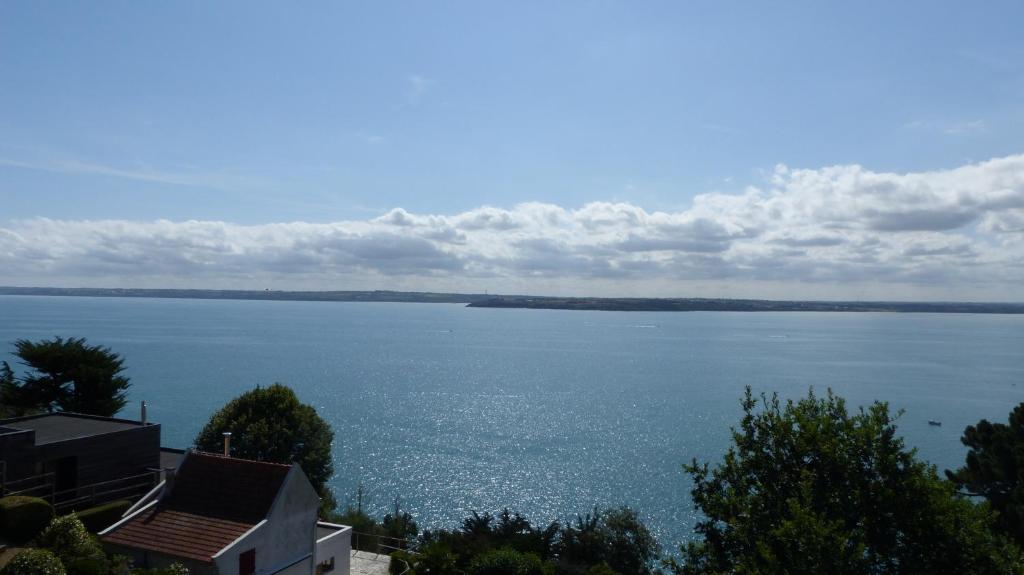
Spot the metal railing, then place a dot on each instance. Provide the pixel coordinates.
(84, 495)
(372, 543)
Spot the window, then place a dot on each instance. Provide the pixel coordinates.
(247, 562)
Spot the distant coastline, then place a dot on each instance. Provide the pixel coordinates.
(535, 302)
(720, 304)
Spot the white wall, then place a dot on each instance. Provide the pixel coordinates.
(286, 538)
(337, 544)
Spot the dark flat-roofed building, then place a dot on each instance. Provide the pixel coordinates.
(73, 450)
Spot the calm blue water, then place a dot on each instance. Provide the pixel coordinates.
(549, 412)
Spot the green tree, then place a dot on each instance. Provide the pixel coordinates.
(10, 401)
(66, 375)
(995, 469)
(271, 424)
(615, 537)
(807, 487)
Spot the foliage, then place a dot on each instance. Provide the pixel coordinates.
(508, 562)
(174, 569)
(10, 401)
(22, 518)
(809, 488)
(34, 562)
(397, 529)
(601, 543)
(68, 539)
(995, 469)
(615, 537)
(270, 424)
(67, 375)
(100, 517)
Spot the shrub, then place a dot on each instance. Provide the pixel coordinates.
(93, 565)
(98, 518)
(174, 569)
(21, 518)
(507, 562)
(68, 539)
(34, 562)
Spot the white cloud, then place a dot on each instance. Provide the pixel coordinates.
(838, 231)
(417, 86)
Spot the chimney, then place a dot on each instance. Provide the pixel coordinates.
(227, 444)
(143, 412)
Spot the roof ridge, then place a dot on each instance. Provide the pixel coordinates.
(235, 458)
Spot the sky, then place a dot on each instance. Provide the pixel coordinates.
(798, 150)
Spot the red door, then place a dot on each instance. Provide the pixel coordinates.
(247, 563)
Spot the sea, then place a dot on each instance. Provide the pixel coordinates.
(446, 409)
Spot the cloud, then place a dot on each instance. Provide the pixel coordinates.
(836, 231)
(217, 180)
(949, 127)
(416, 87)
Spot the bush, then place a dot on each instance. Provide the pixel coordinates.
(21, 518)
(508, 562)
(174, 569)
(93, 565)
(98, 518)
(67, 538)
(34, 562)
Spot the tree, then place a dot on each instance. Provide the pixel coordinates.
(807, 487)
(615, 537)
(271, 424)
(67, 375)
(995, 469)
(10, 404)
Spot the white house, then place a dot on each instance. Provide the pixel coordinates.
(228, 516)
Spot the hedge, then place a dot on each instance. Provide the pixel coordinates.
(34, 562)
(21, 517)
(98, 518)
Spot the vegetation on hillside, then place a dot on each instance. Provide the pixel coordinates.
(808, 487)
(602, 542)
(995, 470)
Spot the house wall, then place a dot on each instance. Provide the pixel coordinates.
(152, 560)
(108, 456)
(304, 567)
(337, 545)
(17, 449)
(286, 537)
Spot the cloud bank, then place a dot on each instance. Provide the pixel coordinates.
(833, 232)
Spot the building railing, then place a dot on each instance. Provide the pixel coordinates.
(382, 545)
(44, 487)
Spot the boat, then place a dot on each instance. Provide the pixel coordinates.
(933, 422)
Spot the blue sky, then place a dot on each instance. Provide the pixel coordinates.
(251, 114)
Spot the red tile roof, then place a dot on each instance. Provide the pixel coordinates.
(226, 487)
(213, 501)
(177, 533)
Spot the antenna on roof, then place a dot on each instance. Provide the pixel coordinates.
(227, 444)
